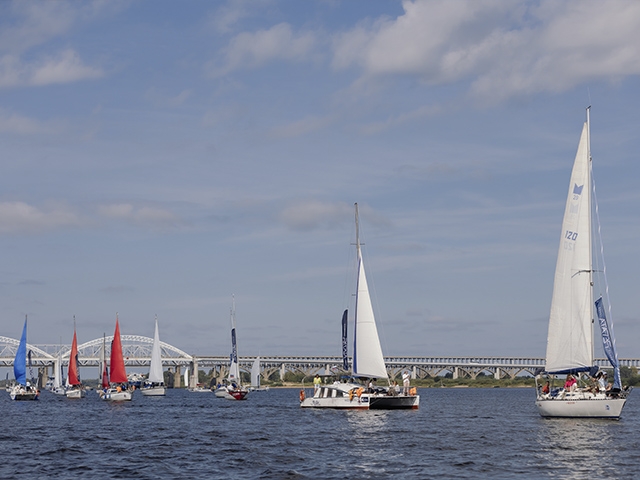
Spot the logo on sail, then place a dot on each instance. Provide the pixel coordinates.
(577, 190)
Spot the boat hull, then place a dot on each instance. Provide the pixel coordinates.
(75, 393)
(581, 407)
(113, 395)
(381, 402)
(153, 391)
(229, 394)
(22, 393)
(352, 396)
(345, 403)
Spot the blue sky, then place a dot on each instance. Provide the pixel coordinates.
(159, 157)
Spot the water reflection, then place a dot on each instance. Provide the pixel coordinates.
(577, 448)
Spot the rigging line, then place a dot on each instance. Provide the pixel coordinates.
(604, 265)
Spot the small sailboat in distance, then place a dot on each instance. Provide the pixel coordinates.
(154, 384)
(570, 334)
(74, 385)
(232, 389)
(117, 383)
(22, 390)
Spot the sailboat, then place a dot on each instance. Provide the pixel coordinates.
(115, 383)
(255, 377)
(22, 390)
(74, 385)
(232, 389)
(570, 334)
(56, 386)
(154, 384)
(368, 361)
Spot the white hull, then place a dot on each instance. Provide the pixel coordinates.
(75, 393)
(345, 396)
(58, 391)
(200, 390)
(580, 405)
(231, 394)
(153, 391)
(20, 392)
(113, 395)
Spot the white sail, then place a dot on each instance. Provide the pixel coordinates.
(570, 337)
(234, 369)
(367, 353)
(57, 374)
(186, 378)
(155, 370)
(255, 373)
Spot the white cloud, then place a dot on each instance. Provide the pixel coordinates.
(20, 217)
(66, 67)
(14, 123)
(227, 16)
(141, 216)
(251, 50)
(300, 127)
(503, 48)
(311, 215)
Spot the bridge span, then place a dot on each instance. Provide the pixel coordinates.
(137, 353)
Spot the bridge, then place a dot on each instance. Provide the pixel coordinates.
(137, 353)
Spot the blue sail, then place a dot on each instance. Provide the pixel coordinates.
(345, 353)
(20, 362)
(608, 343)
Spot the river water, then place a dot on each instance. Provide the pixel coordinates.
(458, 433)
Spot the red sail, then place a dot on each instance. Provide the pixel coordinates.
(73, 362)
(105, 376)
(118, 372)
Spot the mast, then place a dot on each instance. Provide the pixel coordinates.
(589, 207)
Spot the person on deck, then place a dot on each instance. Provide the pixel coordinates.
(406, 382)
(316, 382)
(571, 383)
(545, 389)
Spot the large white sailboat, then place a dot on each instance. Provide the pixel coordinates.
(570, 336)
(154, 384)
(368, 361)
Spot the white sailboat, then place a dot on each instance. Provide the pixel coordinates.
(154, 384)
(368, 361)
(56, 385)
(255, 377)
(570, 334)
(232, 389)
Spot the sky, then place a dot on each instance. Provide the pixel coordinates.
(161, 158)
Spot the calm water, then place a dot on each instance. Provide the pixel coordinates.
(456, 433)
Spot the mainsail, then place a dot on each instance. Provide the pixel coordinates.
(156, 374)
(118, 370)
(234, 370)
(255, 373)
(73, 378)
(570, 337)
(367, 353)
(20, 362)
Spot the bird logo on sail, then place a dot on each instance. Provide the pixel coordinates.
(577, 190)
